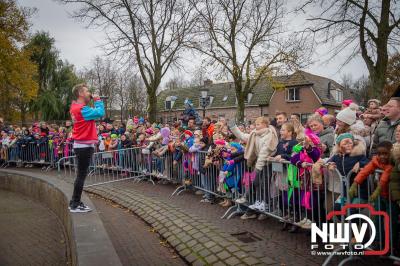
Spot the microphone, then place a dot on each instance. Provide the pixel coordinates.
(101, 97)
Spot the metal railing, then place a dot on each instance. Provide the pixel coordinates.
(299, 197)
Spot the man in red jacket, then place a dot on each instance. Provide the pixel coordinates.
(85, 138)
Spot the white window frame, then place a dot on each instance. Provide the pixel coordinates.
(337, 95)
(287, 94)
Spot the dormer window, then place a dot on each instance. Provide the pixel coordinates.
(293, 94)
(337, 95)
(169, 102)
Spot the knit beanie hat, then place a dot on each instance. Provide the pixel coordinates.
(347, 102)
(114, 136)
(347, 115)
(236, 145)
(374, 101)
(344, 136)
(219, 142)
(188, 132)
(321, 111)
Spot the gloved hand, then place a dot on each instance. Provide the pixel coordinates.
(375, 194)
(230, 162)
(353, 191)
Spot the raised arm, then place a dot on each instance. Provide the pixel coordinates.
(96, 112)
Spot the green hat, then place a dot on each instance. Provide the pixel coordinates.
(344, 136)
(114, 136)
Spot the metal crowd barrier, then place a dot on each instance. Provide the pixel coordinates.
(117, 165)
(31, 154)
(294, 196)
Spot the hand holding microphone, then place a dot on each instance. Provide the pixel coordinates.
(96, 97)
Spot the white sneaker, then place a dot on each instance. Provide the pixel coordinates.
(301, 222)
(255, 205)
(241, 200)
(262, 206)
(80, 209)
(307, 224)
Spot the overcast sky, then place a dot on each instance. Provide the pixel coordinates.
(79, 45)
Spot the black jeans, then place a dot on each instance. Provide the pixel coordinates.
(83, 156)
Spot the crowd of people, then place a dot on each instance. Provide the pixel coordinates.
(356, 141)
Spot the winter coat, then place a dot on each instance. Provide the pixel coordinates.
(327, 137)
(285, 147)
(259, 145)
(384, 131)
(125, 144)
(370, 168)
(345, 164)
(394, 183)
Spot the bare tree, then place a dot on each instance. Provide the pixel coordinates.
(367, 27)
(199, 76)
(246, 39)
(176, 82)
(347, 81)
(137, 98)
(102, 78)
(152, 32)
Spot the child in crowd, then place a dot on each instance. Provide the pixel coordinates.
(303, 159)
(261, 143)
(286, 143)
(349, 157)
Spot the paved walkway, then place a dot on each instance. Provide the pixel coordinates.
(30, 234)
(135, 242)
(197, 240)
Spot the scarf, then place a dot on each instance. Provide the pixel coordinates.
(250, 153)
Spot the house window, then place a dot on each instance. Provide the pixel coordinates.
(337, 95)
(225, 98)
(304, 118)
(167, 105)
(169, 102)
(249, 97)
(292, 94)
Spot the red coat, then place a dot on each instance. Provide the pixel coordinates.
(370, 168)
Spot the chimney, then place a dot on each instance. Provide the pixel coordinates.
(208, 82)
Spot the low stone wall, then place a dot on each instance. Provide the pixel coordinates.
(87, 239)
(49, 195)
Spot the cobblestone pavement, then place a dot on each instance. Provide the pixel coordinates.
(197, 240)
(30, 234)
(271, 246)
(135, 242)
(280, 247)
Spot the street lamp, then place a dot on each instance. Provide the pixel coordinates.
(204, 100)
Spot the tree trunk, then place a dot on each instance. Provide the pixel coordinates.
(378, 81)
(152, 105)
(240, 106)
(23, 118)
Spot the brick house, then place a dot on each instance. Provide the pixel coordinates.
(300, 93)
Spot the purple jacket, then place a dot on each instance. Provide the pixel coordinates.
(313, 153)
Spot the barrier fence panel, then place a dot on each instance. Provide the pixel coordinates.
(30, 154)
(297, 196)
